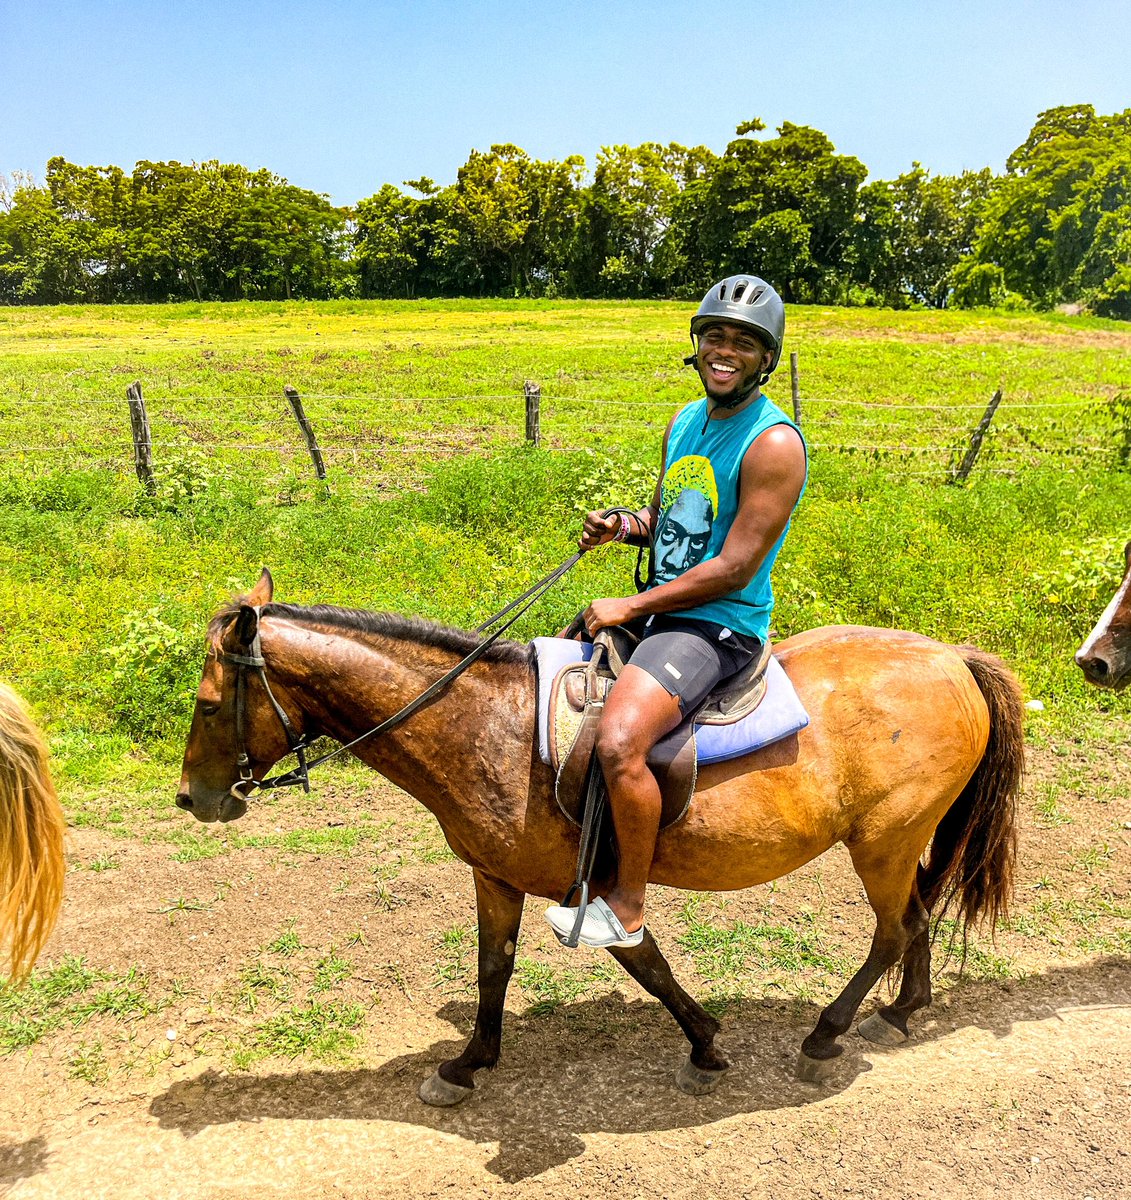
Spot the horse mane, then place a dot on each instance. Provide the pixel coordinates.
(418, 630)
(32, 825)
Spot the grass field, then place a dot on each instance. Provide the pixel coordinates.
(436, 507)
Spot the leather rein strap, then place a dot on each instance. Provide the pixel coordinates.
(300, 775)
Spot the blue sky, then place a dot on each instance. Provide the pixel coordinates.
(341, 96)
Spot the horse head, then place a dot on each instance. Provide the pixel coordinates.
(236, 734)
(1105, 656)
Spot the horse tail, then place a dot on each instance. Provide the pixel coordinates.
(32, 865)
(972, 854)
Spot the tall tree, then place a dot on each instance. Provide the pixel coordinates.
(1055, 230)
(912, 232)
(788, 200)
(628, 214)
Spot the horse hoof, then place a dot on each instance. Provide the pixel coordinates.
(438, 1092)
(694, 1081)
(882, 1032)
(814, 1070)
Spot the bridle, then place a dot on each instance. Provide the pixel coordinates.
(300, 776)
(296, 742)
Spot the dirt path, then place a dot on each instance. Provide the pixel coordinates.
(1017, 1082)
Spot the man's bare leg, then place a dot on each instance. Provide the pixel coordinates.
(638, 712)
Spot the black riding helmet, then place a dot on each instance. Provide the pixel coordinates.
(744, 300)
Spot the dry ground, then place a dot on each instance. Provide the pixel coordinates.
(265, 1016)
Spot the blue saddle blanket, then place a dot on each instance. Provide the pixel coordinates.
(779, 714)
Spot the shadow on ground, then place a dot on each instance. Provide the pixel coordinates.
(607, 1065)
(21, 1160)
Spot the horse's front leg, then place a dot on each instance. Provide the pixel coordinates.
(500, 911)
(705, 1066)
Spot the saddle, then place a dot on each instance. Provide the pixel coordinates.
(577, 698)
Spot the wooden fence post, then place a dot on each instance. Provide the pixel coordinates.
(143, 445)
(967, 465)
(795, 384)
(307, 432)
(533, 394)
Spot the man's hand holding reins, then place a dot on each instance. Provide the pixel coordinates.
(603, 613)
(597, 530)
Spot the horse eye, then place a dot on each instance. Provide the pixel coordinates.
(209, 710)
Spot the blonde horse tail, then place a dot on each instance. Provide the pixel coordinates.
(972, 855)
(32, 865)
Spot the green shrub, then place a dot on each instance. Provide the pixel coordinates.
(153, 675)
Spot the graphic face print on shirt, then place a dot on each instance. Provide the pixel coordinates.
(688, 501)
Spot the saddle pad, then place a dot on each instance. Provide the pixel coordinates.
(780, 713)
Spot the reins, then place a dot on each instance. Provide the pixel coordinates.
(300, 775)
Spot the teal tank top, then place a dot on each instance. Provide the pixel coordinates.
(698, 505)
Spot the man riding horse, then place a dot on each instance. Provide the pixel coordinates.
(733, 470)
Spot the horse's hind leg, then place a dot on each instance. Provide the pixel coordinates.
(900, 920)
(500, 912)
(705, 1066)
(888, 1025)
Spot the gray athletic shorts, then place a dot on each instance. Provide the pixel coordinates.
(689, 658)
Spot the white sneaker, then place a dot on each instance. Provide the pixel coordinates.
(599, 927)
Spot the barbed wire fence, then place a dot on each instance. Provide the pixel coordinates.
(338, 432)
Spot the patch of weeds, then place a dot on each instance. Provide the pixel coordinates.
(288, 943)
(182, 904)
(258, 981)
(103, 862)
(725, 955)
(329, 971)
(383, 896)
(333, 840)
(429, 845)
(988, 964)
(179, 989)
(149, 687)
(552, 986)
(37, 1007)
(1077, 923)
(1095, 857)
(436, 854)
(126, 1000)
(88, 1063)
(386, 899)
(357, 938)
(321, 1031)
(455, 943)
(973, 960)
(194, 847)
(50, 997)
(722, 1000)
(20, 1030)
(1048, 807)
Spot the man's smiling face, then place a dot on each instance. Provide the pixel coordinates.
(731, 359)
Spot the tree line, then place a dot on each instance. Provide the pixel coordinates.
(648, 221)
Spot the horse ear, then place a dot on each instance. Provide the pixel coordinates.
(246, 625)
(264, 589)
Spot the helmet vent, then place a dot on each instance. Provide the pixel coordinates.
(755, 294)
(723, 290)
(739, 288)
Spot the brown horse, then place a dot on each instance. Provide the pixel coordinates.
(1105, 656)
(908, 738)
(32, 865)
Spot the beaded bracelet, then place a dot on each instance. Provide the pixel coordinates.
(623, 531)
